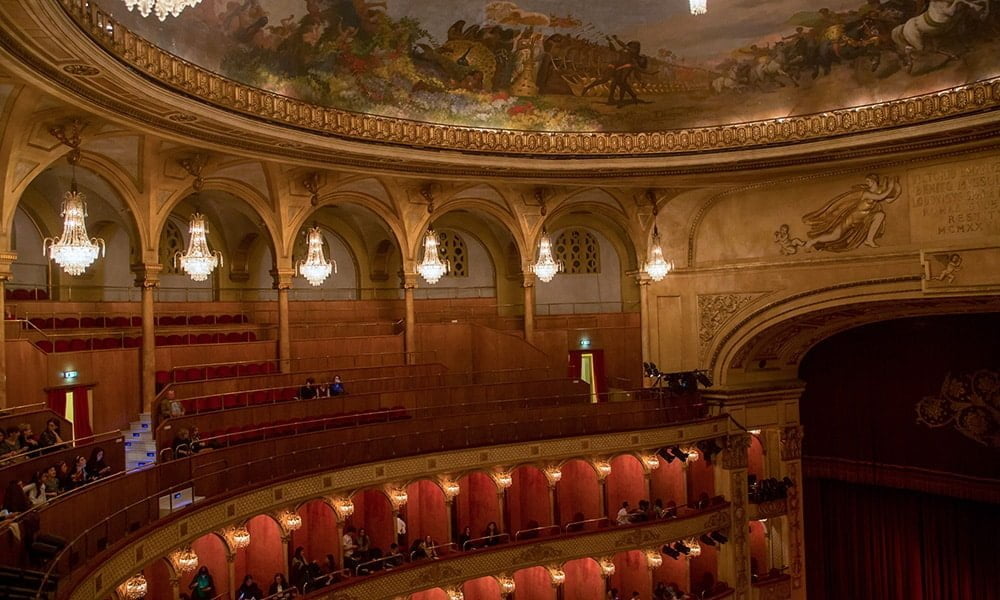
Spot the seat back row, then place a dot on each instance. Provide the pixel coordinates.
(108, 343)
(124, 321)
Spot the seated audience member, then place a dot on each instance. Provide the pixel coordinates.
(202, 586)
(418, 551)
(28, 441)
(196, 444)
(314, 578)
(464, 538)
(50, 479)
(249, 590)
(492, 534)
(79, 475)
(309, 390)
(297, 568)
(330, 569)
(51, 436)
(7, 454)
(170, 406)
(623, 514)
(337, 386)
(394, 558)
(14, 499)
(363, 544)
(349, 546)
(182, 444)
(96, 466)
(670, 512)
(65, 474)
(431, 547)
(35, 490)
(12, 444)
(280, 588)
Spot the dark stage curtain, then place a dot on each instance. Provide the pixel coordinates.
(865, 542)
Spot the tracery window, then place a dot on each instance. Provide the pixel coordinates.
(171, 243)
(579, 252)
(454, 250)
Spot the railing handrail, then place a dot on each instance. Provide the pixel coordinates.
(215, 476)
(465, 544)
(10, 411)
(63, 445)
(584, 522)
(404, 354)
(538, 529)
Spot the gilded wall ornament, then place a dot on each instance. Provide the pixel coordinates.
(970, 403)
(791, 443)
(714, 311)
(944, 268)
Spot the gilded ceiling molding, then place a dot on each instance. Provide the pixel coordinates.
(159, 541)
(221, 92)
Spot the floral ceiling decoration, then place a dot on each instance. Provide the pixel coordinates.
(970, 403)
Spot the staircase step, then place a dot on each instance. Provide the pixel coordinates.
(139, 445)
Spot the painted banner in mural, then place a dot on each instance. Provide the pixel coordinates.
(572, 65)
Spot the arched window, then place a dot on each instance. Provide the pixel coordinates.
(171, 243)
(579, 251)
(453, 250)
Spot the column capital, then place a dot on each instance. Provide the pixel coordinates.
(282, 278)
(735, 453)
(642, 278)
(409, 280)
(528, 279)
(147, 275)
(7, 258)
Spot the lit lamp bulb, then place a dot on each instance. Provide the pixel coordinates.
(344, 508)
(185, 560)
(431, 267)
(653, 559)
(692, 454)
(651, 461)
(240, 537)
(162, 8)
(136, 587)
(199, 261)
(557, 576)
(695, 547)
(399, 498)
(291, 521)
(698, 7)
(603, 469)
(553, 474)
(506, 584)
(455, 594)
(656, 266)
(607, 567)
(504, 479)
(73, 250)
(315, 267)
(546, 267)
(451, 489)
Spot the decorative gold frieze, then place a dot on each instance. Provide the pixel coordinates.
(791, 443)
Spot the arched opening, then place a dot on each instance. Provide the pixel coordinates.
(158, 576)
(529, 505)
(108, 216)
(212, 553)
(625, 483)
(673, 573)
(266, 554)
(584, 580)
(668, 483)
(318, 534)
(427, 515)
(578, 493)
(483, 588)
(631, 574)
(374, 514)
(534, 583)
(478, 505)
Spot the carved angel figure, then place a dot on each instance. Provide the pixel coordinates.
(854, 218)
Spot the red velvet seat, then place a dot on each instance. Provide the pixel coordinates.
(203, 338)
(161, 340)
(112, 343)
(196, 320)
(45, 346)
(250, 336)
(270, 367)
(223, 319)
(211, 372)
(195, 373)
(289, 393)
(258, 397)
(252, 369)
(38, 322)
(208, 403)
(119, 321)
(78, 345)
(41, 295)
(165, 321)
(162, 378)
(88, 322)
(68, 323)
(218, 337)
(209, 319)
(175, 340)
(225, 371)
(136, 321)
(132, 342)
(20, 294)
(233, 336)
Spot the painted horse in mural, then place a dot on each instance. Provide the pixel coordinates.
(917, 34)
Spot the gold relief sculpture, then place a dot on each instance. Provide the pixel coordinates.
(849, 221)
(970, 403)
(791, 443)
(714, 311)
(950, 264)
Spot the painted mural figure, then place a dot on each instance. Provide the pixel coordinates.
(854, 218)
(628, 65)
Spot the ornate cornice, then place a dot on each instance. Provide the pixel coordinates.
(473, 565)
(200, 83)
(163, 537)
(235, 118)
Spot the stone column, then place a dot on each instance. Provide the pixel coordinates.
(147, 277)
(529, 307)
(410, 331)
(234, 584)
(793, 536)
(731, 482)
(283, 283)
(644, 281)
(6, 259)
(175, 587)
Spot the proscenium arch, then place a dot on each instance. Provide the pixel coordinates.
(804, 320)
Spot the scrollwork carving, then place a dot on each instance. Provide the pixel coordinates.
(714, 310)
(791, 443)
(734, 451)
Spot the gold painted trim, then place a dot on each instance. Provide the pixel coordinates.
(211, 88)
(132, 558)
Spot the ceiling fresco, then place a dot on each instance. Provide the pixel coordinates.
(584, 66)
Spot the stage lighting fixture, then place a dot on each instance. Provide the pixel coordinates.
(680, 547)
(679, 453)
(717, 536)
(706, 539)
(666, 455)
(670, 552)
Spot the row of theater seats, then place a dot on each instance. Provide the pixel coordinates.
(285, 428)
(23, 294)
(134, 321)
(240, 399)
(215, 372)
(109, 343)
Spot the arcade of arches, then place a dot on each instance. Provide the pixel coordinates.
(806, 406)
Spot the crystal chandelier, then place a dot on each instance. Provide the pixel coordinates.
(199, 261)
(314, 267)
(162, 8)
(546, 267)
(699, 7)
(431, 267)
(656, 266)
(73, 251)
(136, 587)
(290, 520)
(694, 546)
(239, 536)
(653, 559)
(185, 560)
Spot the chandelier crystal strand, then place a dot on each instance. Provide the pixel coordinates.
(162, 8)
(74, 251)
(431, 267)
(656, 266)
(199, 261)
(136, 587)
(315, 267)
(546, 267)
(699, 7)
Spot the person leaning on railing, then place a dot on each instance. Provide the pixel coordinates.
(50, 437)
(28, 442)
(10, 447)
